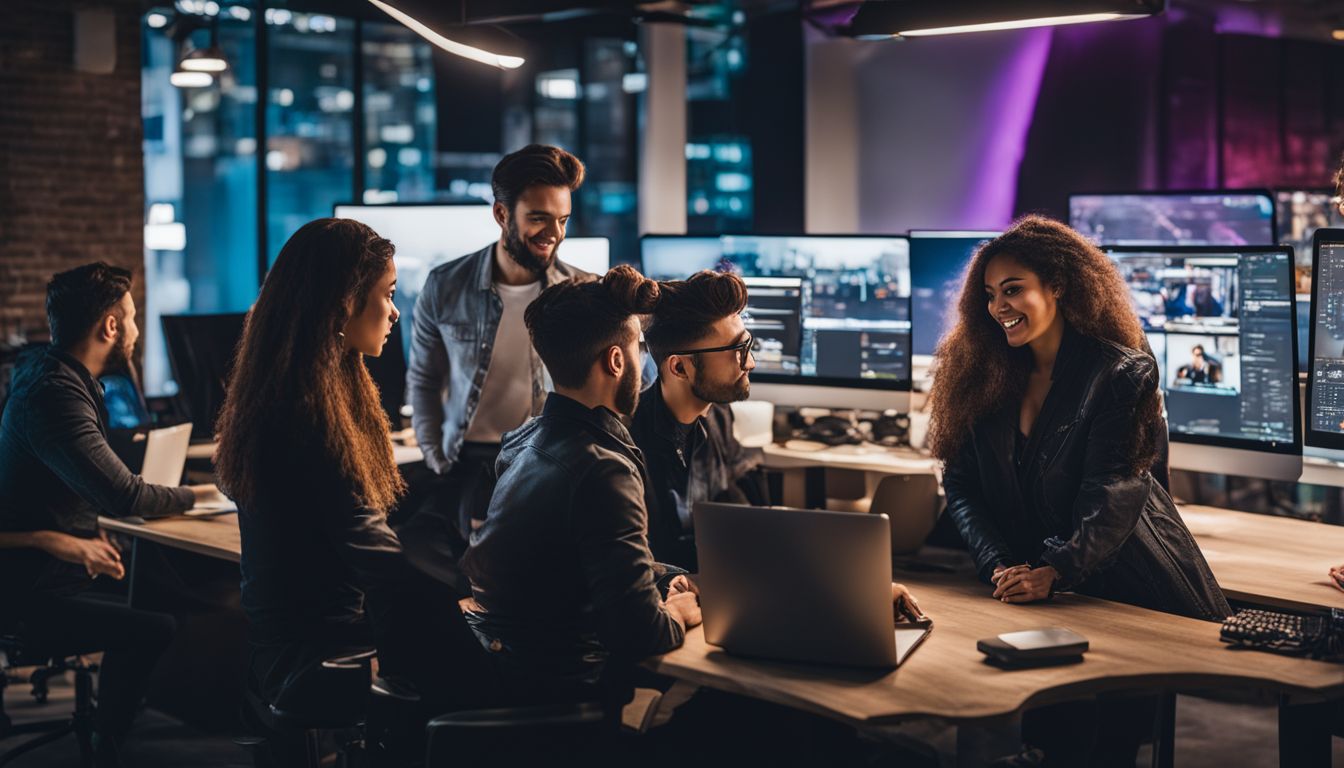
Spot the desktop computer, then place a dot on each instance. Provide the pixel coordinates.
(1221, 322)
(430, 234)
(1214, 217)
(1325, 380)
(831, 313)
(200, 351)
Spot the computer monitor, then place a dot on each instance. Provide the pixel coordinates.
(938, 261)
(389, 373)
(1300, 213)
(429, 234)
(831, 313)
(1221, 322)
(1325, 382)
(200, 351)
(1213, 217)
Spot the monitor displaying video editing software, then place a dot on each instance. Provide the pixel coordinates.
(1220, 321)
(938, 261)
(825, 310)
(1325, 387)
(1215, 217)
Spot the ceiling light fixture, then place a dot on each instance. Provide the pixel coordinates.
(208, 59)
(918, 18)
(451, 46)
(188, 79)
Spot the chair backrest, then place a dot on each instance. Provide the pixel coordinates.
(912, 503)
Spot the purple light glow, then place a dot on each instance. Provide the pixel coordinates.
(1007, 112)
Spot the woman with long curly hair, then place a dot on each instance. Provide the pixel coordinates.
(305, 451)
(1047, 416)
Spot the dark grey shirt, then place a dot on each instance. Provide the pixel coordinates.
(57, 471)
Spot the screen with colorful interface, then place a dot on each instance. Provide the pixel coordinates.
(1325, 388)
(1171, 218)
(831, 310)
(1221, 323)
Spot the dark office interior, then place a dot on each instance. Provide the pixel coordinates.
(528, 382)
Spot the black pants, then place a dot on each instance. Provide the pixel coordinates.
(1103, 732)
(131, 641)
(436, 519)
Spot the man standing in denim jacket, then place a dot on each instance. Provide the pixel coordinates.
(473, 374)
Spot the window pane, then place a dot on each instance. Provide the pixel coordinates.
(718, 150)
(309, 120)
(399, 115)
(200, 183)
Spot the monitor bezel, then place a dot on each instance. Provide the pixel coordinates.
(1266, 191)
(890, 385)
(1318, 438)
(1221, 441)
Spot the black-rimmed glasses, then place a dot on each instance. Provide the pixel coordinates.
(744, 349)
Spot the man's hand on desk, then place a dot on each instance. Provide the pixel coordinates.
(684, 606)
(1337, 577)
(1023, 584)
(207, 494)
(907, 607)
(99, 556)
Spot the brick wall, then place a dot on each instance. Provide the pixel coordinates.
(71, 162)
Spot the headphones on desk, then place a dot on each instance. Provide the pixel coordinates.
(833, 430)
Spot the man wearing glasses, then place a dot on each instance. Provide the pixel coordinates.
(683, 425)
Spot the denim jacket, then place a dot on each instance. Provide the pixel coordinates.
(452, 340)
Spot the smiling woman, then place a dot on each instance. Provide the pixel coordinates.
(1047, 414)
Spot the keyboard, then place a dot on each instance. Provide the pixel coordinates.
(1315, 636)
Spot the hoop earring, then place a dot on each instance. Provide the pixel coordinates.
(340, 335)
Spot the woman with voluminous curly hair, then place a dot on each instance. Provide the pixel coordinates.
(1047, 415)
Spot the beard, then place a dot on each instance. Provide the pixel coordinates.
(722, 394)
(522, 255)
(627, 391)
(119, 357)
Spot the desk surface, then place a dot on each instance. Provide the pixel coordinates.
(1275, 561)
(946, 677)
(217, 536)
(402, 454)
(865, 457)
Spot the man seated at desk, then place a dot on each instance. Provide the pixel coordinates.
(683, 424)
(57, 474)
(561, 569)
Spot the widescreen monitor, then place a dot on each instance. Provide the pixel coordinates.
(431, 234)
(1221, 322)
(938, 261)
(1215, 217)
(1325, 382)
(831, 314)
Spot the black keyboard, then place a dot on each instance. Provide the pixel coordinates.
(1316, 636)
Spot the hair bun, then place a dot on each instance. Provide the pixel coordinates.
(633, 292)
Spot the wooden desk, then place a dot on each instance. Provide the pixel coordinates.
(401, 453)
(804, 470)
(1274, 561)
(1131, 648)
(217, 536)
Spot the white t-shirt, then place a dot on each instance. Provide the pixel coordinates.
(506, 395)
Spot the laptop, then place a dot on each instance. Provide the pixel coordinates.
(166, 455)
(800, 585)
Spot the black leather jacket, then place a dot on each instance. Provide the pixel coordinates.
(1072, 504)
(561, 566)
(710, 466)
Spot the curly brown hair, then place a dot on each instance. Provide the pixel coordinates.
(977, 372)
(294, 382)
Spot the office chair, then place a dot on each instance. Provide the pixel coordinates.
(331, 695)
(15, 652)
(913, 504)
(549, 734)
